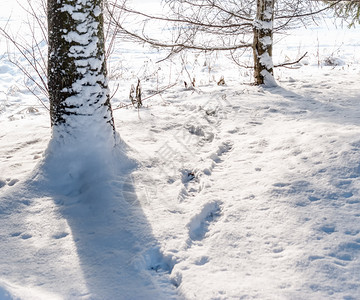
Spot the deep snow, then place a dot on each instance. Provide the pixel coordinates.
(217, 192)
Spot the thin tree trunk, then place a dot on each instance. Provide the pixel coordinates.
(78, 91)
(262, 44)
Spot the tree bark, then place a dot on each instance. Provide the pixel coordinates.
(262, 43)
(77, 76)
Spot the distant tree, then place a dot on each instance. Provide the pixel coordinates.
(226, 25)
(77, 76)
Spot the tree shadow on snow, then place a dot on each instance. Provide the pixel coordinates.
(92, 229)
(339, 111)
(114, 242)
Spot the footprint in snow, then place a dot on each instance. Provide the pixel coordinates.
(192, 179)
(329, 229)
(313, 198)
(347, 251)
(8, 181)
(223, 149)
(2, 183)
(353, 232)
(200, 261)
(60, 235)
(154, 259)
(199, 224)
(203, 133)
(353, 201)
(13, 182)
(26, 236)
(15, 234)
(191, 184)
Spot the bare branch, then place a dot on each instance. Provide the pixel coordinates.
(176, 46)
(291, 63)
(31, 60)
(183, 20)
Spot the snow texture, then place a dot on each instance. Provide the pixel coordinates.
(266, 41)
(227, 191)
(269, 80)
(264, 25)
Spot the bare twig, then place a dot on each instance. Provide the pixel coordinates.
(290, 63)
(146, 98)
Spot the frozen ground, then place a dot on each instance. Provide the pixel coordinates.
(230, 192)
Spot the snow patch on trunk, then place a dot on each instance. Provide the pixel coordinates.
(266, 41)
(266, 60)
(269, 80)
(88, 114)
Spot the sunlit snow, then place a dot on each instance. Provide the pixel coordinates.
(228, 191)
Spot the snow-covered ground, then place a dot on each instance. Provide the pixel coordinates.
(221, 192)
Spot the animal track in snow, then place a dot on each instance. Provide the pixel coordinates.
(8, 181)
(224, 148)
(203, 132)
(13, 182)
(26, 236)
(328, 229)
(313, 198)
(353, 232)
(159, 264)
(15, 234)
(347, 251)
(193, 180)
(23, 145)
(353, 201)
(154, 259)
(202, 260)
(60, 235)
(199, 224)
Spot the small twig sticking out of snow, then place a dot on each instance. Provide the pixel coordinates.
(146, 98)
(318, 51)
(186, 70)
(221, 81)
(138, 94)
(135, 95)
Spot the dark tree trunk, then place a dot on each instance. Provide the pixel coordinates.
(77, 82)
(263, 40)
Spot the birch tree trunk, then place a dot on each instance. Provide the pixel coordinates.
(262, 44)
(78, 89)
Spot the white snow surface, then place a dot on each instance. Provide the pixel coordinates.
(213, 192)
